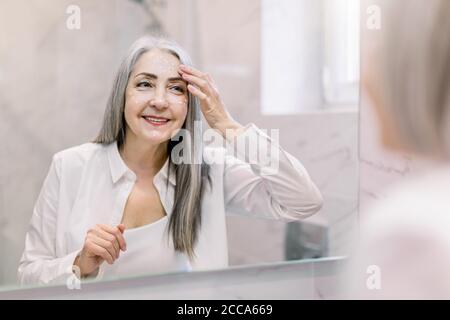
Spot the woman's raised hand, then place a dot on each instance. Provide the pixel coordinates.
(204, 88)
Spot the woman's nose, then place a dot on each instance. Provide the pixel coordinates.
(159, 101)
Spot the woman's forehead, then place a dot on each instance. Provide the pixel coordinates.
(158, 62)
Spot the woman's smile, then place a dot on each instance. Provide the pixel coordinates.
(155, 121)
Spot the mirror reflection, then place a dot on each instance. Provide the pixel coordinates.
(148, 137)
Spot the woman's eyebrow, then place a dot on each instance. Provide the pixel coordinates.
(176, 79)
(149, 75)
(154, 76)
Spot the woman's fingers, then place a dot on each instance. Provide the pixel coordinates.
(102, 243)
(100, 251)
(196, 73)
(116, 233)
(202, 84)
(121, 228)
(109, 246)
(191, 70)
(108, 237)
(202, 81)
(197, 92)
(107, 241)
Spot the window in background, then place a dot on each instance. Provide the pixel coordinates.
(341, 54)
(309, 55)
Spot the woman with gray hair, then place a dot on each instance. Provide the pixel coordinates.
(145, 196)
(405, 239)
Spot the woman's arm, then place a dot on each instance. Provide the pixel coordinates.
(271, 183)
(39, 264)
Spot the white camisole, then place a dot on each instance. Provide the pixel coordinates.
(149, 251)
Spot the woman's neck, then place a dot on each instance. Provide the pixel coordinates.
(142, 158)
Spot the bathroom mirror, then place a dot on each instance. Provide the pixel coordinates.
(290, 65)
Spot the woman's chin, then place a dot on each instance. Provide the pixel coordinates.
(155, 137)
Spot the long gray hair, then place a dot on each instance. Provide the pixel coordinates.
(185, 219)
(414, 73)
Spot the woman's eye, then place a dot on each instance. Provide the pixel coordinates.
(144, 84)
(178, 89)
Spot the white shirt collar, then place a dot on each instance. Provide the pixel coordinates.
(119, 168)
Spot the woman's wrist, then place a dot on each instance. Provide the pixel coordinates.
(228, 128)
(81, 270)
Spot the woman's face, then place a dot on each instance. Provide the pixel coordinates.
(156, 98)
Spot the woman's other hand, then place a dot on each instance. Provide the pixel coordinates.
(102, 243)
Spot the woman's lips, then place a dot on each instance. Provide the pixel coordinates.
(155, 121)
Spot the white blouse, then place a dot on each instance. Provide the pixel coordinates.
(89, 184)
